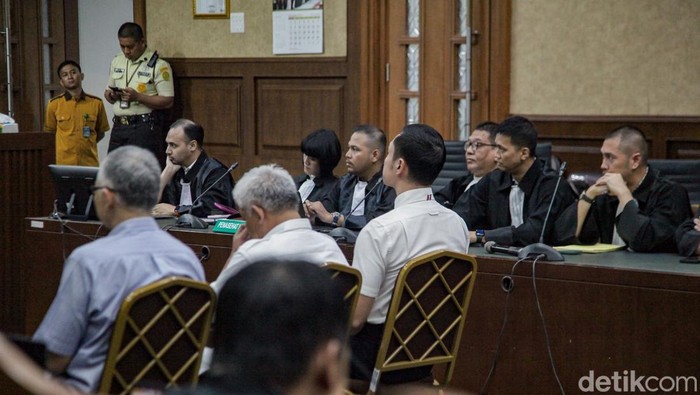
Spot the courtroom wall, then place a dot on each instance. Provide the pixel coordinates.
(606, 57)
(175, 33)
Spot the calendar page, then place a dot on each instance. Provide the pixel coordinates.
(297, 32)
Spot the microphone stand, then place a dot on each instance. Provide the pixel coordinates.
(229, 170)
(536, 249)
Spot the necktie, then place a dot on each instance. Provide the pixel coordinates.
(185, 194)
(517, 197)
(306, 188)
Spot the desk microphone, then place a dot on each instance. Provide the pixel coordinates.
(379, 181)
(187, 209)
(536, 249)
(491, 247)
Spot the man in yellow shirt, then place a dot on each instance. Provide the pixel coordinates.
(79, 120)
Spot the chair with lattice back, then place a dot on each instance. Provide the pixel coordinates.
(158, 336)
(427, 314)
(349, 281)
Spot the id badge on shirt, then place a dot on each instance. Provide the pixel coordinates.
(86, 128)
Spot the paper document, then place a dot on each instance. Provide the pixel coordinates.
(590, 249)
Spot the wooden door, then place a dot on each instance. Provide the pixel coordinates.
(440, 62)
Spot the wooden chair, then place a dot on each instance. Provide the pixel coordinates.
(158, 337)
(427, 314)
(350, 281)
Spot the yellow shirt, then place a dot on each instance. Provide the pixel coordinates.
(67, 116)
(153, 81)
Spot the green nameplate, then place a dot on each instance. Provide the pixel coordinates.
(227, 225)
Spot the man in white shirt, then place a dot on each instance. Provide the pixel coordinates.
(268, 201)
(417, 225)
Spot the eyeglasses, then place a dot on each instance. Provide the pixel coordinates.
(476, 145)
(97, 187)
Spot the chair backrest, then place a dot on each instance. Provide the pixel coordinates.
(427, 313)
(349, 281)
(685, 172)
(158, 336)
(455, 164)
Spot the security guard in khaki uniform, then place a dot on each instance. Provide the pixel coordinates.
(79, 120)
(139, 83)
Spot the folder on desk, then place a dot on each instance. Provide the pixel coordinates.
(590, 249)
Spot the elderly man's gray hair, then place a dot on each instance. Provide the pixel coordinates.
(267, 186)
(134, 174)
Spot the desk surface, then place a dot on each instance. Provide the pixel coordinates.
(604, 312)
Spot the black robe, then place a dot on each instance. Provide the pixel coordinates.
(203, 174)
(646, 224)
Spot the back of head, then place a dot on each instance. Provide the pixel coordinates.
(132, 30)
(376, 136)
(267, 186)
(323, 144)
(271, 319)
(134, 174)
(193, 130)
(632, 140)
(521, 131)
(490, 127)
(423, 150)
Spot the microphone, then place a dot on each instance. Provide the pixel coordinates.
(491, 247)
(536, 249)
(187, 209)
(379, 181)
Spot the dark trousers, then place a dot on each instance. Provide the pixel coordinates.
(148, 135)
(365, 347)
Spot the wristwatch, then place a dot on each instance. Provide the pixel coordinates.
(585, 198)
(336, 217)
(480, 234)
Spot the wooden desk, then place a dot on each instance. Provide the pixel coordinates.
(604, 313)
(48, 244)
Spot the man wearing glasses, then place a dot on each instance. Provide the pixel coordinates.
(480, 154)
(99, 275)
(510, 204)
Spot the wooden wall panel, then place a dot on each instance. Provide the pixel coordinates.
(222, 127)
(25, 190)
(257, 111)
(577, 140)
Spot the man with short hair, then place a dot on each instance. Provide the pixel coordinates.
(140, 84)
(281, 328)
(98, 276)
(360, 195)
(267, 199)
(480, 155)
(417, 225)
(189, 171)
(631, 204)
(510, 204)
(77, 119)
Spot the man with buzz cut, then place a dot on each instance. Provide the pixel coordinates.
(360, 195)
(631, 204)
(416, 226)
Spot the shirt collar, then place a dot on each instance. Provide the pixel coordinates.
(413, 196)
(68, 96)
(289, 226)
